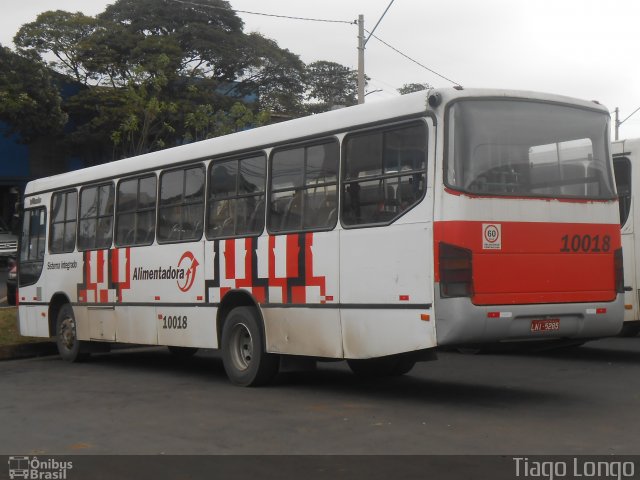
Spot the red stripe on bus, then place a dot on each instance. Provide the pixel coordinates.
(230, 259)
(537, 262)
(100, 266)
(293, 250)
(115, 265)
(298, 294)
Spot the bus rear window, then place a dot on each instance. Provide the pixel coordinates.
(528, 149)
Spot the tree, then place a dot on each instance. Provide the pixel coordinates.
(413, 87)
(30, 104)
(207, 33)
(162, 72)
(330, 84)
(275, 74)
(206, 123)
(62, 34)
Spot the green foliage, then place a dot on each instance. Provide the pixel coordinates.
(160, 73)
(276, 74)
(62, 34)
(330, 84)
(206, 123)
(413, 87)
(29, 101)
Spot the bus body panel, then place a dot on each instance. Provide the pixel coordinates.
(461, 322)
(375, 332)
(632, 293)
(387, 265)
(136, 324)
(32, 321)
(526, 277)
(398, 278)
(536, 262)
(304, 331)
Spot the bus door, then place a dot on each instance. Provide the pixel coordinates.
(386, 256)
(623, 174)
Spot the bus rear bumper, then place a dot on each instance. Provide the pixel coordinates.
(459, 322)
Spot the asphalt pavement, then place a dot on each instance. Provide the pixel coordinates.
(575, 401)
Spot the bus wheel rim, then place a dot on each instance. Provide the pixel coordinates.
(241, 346)
(68, 333)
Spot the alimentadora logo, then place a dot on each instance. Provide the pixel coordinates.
(184, 273)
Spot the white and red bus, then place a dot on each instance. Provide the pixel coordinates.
(626, 154)
(374, 234)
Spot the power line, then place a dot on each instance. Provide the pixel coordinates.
(620, 123)
(323, 20)
(413, 60)
(288, 17)
(378, 22)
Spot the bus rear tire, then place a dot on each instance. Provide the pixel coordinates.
(392, 366)
(69, 347)
(244, 356)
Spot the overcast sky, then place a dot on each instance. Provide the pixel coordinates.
(581, 48)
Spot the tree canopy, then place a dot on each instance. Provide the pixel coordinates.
(30, 104)
(413, 87)
(160, 73)
(331, 84)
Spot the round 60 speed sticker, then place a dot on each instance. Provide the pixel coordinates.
(491, 236)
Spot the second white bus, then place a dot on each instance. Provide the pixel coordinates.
(626, 155)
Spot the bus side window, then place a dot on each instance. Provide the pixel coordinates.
(32, 246)
(95, 226)
(63, 222)
(303, 189)
(384, 173)
(236, 197)
(136, 211)
(181, 209)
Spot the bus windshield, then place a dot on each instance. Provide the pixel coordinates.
(521, 148)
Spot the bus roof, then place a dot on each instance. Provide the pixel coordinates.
(313, 125)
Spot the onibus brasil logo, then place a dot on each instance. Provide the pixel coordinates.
(37, 469)
(184, 273)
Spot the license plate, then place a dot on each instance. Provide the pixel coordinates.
(546, 325)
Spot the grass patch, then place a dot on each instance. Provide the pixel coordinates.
(9, 334)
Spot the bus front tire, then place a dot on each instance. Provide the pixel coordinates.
(69, 347)
(245, 359)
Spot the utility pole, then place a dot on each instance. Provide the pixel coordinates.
(360, 58)
(617, 122)
(362, 42)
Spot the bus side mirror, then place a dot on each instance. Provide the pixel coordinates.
(435, 99)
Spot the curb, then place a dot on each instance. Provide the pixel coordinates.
(27, 350)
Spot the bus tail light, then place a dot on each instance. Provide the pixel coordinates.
(456, 279)
(619, 270)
